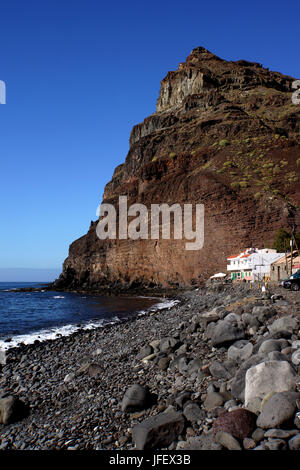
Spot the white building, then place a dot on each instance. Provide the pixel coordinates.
(252, 264)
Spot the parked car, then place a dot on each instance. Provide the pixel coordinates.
(293, 284)
(296, 275)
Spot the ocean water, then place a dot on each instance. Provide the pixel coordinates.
(28, 316)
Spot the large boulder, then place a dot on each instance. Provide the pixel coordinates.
(279, 410)
(158, 431)
(136, 398)
(286, 324)
(225, 333)
(267, 377)
(12, 409)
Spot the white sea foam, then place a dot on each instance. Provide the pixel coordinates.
(66, 330)
(58, 297)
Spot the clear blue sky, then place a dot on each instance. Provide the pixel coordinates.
(79, 75)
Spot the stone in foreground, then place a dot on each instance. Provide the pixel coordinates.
(136, 398)
(158, 431)
(239, 423)
(279, 410)
(12, 409)
(267, 377)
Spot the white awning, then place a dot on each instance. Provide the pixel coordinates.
(218, 275)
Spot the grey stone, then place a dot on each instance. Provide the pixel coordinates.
(249, 320)
(218, 371)
(203, 442)
(258, 434)
(194, 365)
(210, 330)
(263, 312)
(276, 444)
(144, 352)
(240, 351)
(157, 431)
(288, 324)
(136, 398)
(182, 349)
(278, 356)
(296, 357)
(182, 398)
(254, 405)
(294, 443)
(180, 362)
(212, 400)
(249, 443)
(193, 412)
(12, 409)
(281, 433)
(163, 363)
(269, 345)
(227, 440)
(225, 333)
(232, 317)
(279, 410)
(167, 344)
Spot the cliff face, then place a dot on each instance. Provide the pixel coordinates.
(225, 134)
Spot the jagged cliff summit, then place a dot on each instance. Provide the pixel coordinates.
(224, 134)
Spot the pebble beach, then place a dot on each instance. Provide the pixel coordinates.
(197, 376)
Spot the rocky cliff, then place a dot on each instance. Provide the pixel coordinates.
(224, 134)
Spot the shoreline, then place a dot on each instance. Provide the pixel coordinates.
(61, 331)
(74, 386)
